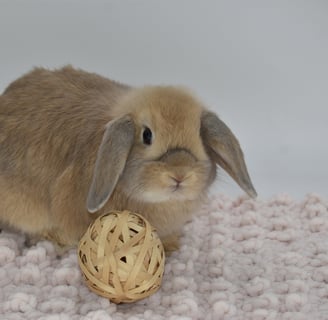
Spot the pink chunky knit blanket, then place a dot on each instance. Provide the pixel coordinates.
(240, 259)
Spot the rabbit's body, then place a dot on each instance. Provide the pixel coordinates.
(73, 142)
(48, 122)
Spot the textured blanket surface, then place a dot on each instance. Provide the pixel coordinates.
(239, 259)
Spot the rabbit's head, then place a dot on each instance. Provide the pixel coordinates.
(163, 145)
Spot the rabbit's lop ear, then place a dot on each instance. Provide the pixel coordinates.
(111, 158)
(223, 147)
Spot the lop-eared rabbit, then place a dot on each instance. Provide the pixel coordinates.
(74, 145)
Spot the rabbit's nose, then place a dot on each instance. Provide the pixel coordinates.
(178, 180)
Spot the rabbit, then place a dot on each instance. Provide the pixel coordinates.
(74, 145)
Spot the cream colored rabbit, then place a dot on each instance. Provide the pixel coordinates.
(74, 145)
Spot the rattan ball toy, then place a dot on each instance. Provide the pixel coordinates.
(122, 257)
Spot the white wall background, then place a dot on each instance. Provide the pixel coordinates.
(262, 65)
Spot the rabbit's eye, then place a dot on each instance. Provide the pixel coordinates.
(147, 136)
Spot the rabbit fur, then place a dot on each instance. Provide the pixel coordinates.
(74, 145)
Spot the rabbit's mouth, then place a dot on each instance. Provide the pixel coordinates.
(158, 182)
(175, 188)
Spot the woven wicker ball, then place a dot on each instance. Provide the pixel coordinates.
(122, 257)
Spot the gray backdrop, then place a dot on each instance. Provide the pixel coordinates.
(262, 65)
